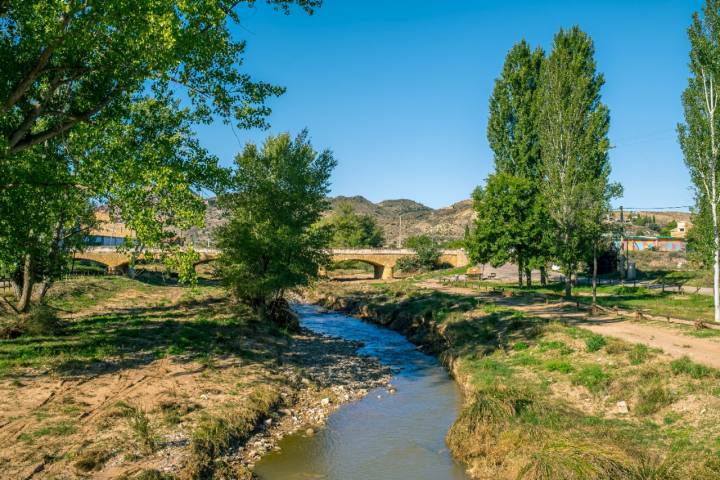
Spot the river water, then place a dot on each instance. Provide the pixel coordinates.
(382, 436)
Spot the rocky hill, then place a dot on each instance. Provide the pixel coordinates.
(417, 219)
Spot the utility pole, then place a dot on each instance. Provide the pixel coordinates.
(623, 240)
(399, 241)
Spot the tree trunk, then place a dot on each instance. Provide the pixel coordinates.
(594, 276)
(528, 277)
(716, 263)
(520, 274)
(543, 276)
(568, 284)
(27, 286)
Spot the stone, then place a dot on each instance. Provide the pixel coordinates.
(325, 402)
(622, 407)
(309, 432)
(392, 390)
(268, 421)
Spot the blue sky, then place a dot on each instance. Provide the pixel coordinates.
(398, 89)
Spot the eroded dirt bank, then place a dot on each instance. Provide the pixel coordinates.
(546, 399)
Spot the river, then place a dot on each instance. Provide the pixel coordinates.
(383, 436)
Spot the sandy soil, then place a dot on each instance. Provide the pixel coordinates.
(314, 375)
(669, 339)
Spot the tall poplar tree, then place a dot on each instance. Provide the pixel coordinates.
(573, 126)
(510, 211)
(699, 136)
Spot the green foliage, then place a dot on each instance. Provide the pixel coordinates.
(271, 242)
(511, 217)
(699, 136)
(183, 262)
(140, 425)
(639, 354)
(520, 346)
(686, 366)
(573, 125)
(350, 230)
(68, 63)
(595, 343)
(593, 377)
(427, 255)
(90, 115)
(562, 366)
(653, 398)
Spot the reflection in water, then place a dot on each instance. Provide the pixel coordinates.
(392, 437)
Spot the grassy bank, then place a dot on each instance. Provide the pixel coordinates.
(545, 400)
(148, 381)
(653, 301)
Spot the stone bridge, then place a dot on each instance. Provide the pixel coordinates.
(382, 260)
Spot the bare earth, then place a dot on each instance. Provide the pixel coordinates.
(35, 406)
(671, 340)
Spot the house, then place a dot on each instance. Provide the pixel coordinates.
(657, 244)
(681, 230)
(107, 233)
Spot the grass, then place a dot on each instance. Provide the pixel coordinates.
(214, 434)
(56, 430)
(595, 343)
(593, 377)
(197, 326)
(542, 396)
(140, 425)
(685, 366)
(653, 398)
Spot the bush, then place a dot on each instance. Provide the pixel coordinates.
(686, 366)
(558, 366)
(639, 354)
(652, 399)
(40, 321)
(593, 377)
(427, 255)
(595, 343)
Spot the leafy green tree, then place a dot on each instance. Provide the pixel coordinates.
(511, 220)
(573, 125)
(509, 228)
(272, 241)
(67, 62)
(148, 170)
(426, 257)
(699, 136)
(512, 124)
(351, 230)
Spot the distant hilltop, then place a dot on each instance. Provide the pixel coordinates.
(442, 224)
(417, 219)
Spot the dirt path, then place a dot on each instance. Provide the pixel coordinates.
(669, 339)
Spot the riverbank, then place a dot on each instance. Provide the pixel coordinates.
(546, 399)
(151, 381)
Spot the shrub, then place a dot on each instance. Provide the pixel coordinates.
(558, 366)
(652, 399)
(639, 354)
(595, 343)
(41, 321)
(593, 377)
(140, 425)
(92, 459)
(686, 366)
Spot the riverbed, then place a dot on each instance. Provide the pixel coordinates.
(389, 436)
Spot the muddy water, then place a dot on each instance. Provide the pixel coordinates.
(383, 436)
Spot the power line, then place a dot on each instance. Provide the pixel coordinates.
(658, 208)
